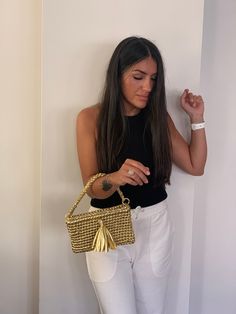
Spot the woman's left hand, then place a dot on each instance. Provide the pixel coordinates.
(193, 105)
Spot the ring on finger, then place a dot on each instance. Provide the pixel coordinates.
(130, 172)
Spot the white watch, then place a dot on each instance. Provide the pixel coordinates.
(197, 126)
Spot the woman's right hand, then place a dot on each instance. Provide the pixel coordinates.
(131, 172)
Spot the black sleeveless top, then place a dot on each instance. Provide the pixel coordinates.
(138, 146)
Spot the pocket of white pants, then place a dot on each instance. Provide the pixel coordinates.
(160, 245)
(101, 266)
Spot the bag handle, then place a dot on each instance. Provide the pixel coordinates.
(125, 200)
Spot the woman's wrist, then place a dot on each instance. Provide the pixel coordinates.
(108, 183)
(111, 177)
(196, 119)
(197, 126)
(103, 187)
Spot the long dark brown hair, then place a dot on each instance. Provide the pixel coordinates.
(111, 120)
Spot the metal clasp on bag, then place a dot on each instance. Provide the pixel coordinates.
(126, 201)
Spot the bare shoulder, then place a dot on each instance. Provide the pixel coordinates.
(87, 117)
(89, 114)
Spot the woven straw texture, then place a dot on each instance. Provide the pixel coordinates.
(83, 227)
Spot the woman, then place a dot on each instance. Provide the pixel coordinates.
(131, 137)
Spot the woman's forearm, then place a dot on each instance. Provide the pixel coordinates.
(103, 187)
(198, 147)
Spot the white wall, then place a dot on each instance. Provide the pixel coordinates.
(79, 38)
(213, 279)
(20, 155)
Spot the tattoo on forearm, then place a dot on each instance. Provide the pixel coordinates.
(106, 185)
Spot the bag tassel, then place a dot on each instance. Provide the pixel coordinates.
(103, 240)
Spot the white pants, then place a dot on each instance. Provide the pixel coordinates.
(133, 278)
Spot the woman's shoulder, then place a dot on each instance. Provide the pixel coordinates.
(89, 113)
(87, 117)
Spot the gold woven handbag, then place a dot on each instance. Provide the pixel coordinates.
(102, 229)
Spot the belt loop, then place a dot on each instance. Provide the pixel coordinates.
(136, 211)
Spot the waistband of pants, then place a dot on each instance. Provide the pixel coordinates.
(143, 211)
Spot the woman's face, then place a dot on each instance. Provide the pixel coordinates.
(137, 83)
